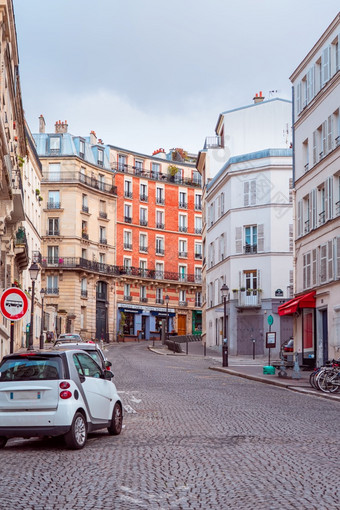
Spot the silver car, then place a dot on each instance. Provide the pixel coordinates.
(91, 348)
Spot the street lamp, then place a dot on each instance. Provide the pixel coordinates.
(224, 292)
(42, 293)
(34, 271)
(167, 316)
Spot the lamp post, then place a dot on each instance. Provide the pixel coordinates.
(224, 292)
(42, 293)
(34, 271)
(167, 316)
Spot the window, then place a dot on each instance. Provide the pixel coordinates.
(197, 178)
(138, 167)
(250, 237)
(183, 200)
(307, 270)
(102, 259)
(198, 299)
(182, 223)
(122, 163)
(84, 253)
(143, 216)
(53, 200)
(55, 144)
(82, 175)
(198, 274)
(102, 235)
(127, 240)
(249, 191)
(53, 255)
(52, 285)
(222, 203)
(53, 227)
(198, 202)
(142, 268)
(159, 296)
(250, 280)
(159, 270)
(143, 192)
(86, 365)
(142, 293)
(127, 189)
(198, 250)
(182, 248)
(160, 196)
(101, 182)
(127, 265)
(159, 246)
(84, 204)
(102, 209)
(54, 171)
(127, 292)
(221, 246)
(326, 65)
(84, 233)
(155, 170)
(100, 161)
(81, 148)
(83, 287)
(160, 219)
(143, 243)
(198, 224)
(127, 213)
(182, 273)
(182, 298)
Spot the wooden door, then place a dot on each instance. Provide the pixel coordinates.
(182, 325)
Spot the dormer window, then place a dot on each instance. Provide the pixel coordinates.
(55, 144)
(100, 157)
(81, 148)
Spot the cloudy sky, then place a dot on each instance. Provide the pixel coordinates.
(145, 74)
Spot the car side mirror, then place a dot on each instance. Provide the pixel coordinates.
(108, 364)
(107, 374)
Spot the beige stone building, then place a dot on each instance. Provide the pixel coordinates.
(78, 232)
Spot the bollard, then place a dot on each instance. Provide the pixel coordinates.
(296, 370)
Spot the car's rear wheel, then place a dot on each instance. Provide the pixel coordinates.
(116, 425)
(76, 437)
(3, 441)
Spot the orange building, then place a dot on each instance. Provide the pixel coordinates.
(159, 242)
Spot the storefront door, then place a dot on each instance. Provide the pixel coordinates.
(182, 326)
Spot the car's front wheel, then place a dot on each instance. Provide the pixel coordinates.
(116, 425)
(3, 441)
(76, 437)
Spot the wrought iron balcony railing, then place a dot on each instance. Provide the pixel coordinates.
(158, 176)
(143, 197)
(127, 246)
(87, 180)
(103, 215)
(53, 205)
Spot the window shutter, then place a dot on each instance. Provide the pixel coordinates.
(314, 267)
(300, 218)
(291, 283)
(260, 237)
(225, 245)
(325, 62)
(329, 204)
(298, 98)
(337, 265)
(330, 134)
(310, 211)
(218, 207)
(330, 260)
(290, 190)
(253, 192)
(238, 239)
(323, 263)
(222, 203)
(246, 193)
(324, 139)
(291, 238)
(315, 149)
(240, 283)
(314, 210)
(258, 278)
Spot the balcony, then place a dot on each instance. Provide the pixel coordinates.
(143, 223)
(127, 246)
(182, 228)
(182, 303)
(157, 176)
(213, 142)
(75, 177)
(85, 209)
(183, 254)
(198, 230)
(159, 251)
(183, 205)
(198, 206)
(160, 201)
(83, 293)
(250, 298)
(250, 248)
(54, 232)
(128, 194)
(127, 219)
(21, 249)
(127, 298)
(143, 197)
(161, 226)
(159, 301)
(84, 235)
(198, 303)
(52, 291)
(102, 240)
(307, 227)
(103, 215)
(143, 249)
(53, 205)
(198, 256)
(143, 299)
(322, 218)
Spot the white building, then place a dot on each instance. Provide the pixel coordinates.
(316, 84)
(248, 234)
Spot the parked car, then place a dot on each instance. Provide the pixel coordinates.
(287, 347)
(69, 337)
(90, 347)
(57, 393)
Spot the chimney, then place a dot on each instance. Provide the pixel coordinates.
(42, 124)
(61, 127)
(258, 98)
(93, 138)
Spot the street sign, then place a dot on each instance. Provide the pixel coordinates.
(13, 304)
(270, 320)
(270, 340)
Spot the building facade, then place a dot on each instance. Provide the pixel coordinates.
(316, 309)
(248, 230)
(78, 232)
(159, 243)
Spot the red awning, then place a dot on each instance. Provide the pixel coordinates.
(291, 306)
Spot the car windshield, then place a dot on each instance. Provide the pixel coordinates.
(31, 368)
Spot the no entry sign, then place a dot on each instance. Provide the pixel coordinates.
(13, 303)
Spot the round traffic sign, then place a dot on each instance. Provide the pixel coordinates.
(13, 303)
(270, 320)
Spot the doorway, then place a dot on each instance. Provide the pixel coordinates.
(182, 324)
(324, 329)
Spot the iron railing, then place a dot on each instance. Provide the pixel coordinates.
(88, 180)
(157, 176)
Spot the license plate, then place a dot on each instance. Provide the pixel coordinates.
(25, 395)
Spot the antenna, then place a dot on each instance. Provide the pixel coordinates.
(272, 92)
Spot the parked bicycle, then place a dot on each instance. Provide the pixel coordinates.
(327, 377)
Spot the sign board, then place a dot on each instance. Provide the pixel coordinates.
(270, 320)
(270, 340)
(13, 304)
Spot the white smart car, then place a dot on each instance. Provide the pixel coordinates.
(54, 393)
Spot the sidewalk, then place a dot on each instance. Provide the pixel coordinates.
(246, 367)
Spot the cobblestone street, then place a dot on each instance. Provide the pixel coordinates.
(192, 438)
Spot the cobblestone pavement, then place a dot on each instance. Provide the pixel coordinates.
(192, 439)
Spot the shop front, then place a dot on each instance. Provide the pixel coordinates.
(142, 323)
(302, 308)
(197, 322)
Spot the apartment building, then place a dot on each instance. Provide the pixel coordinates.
(159, 242)
(13, 246)
(248, 226)
(78, 232)
(316, 307)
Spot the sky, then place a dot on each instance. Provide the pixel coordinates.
(149, 74)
